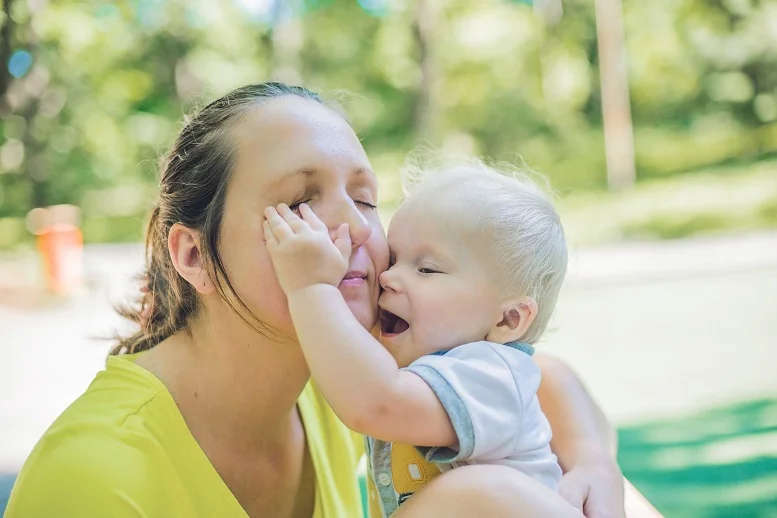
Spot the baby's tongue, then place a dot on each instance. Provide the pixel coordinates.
(400, 326)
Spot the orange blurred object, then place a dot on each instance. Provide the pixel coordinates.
(62, 249)
(61, 246)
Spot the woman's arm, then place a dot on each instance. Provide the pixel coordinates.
(579, 425)
(583, 440)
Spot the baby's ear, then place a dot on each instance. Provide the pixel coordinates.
(514, 321)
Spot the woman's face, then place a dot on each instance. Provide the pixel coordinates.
(294, 150)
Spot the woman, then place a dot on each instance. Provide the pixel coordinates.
(207, 410)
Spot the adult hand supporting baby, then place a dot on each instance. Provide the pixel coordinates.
(595, 486)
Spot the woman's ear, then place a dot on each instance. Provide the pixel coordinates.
(514, 321)
(183, 244)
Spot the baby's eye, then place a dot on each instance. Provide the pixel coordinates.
(427, 270)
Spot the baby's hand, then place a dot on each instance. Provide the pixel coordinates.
(301, 249)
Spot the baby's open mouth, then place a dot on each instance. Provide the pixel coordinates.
(391, 324)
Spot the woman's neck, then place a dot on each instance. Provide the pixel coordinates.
(232, 385)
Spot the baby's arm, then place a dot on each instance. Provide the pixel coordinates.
(358, 377)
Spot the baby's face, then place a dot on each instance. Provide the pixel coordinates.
(438, 292)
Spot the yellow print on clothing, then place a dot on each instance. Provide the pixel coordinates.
(410, 471)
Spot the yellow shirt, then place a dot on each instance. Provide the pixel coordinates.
(123, 449)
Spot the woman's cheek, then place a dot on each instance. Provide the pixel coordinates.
(257, 285)
(379, 251)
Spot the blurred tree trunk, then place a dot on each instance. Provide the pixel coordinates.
(286, 39)
(423, 27)
(34, 164)
(549, 13)
(5, 54)
(616, 108)
(21, 97)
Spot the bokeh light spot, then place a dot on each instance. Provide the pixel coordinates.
(20, 63)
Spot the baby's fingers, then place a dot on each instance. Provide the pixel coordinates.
(294, 221)
(279, 229)
(310, 217)
(269, 237)
(343, 241)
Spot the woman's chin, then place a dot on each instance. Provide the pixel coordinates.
(363, 303)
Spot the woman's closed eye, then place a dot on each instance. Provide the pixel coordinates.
(295, 206)
(366, 204)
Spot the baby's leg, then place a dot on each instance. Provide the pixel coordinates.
(486, 491)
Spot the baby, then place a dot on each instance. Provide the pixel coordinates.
(477, 261)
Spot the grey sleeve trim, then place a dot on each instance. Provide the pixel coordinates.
(457, 412)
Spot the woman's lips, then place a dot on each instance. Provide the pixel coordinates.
(354, 278)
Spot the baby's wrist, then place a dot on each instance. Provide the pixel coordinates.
(311, 291)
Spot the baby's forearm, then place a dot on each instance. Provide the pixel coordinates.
(352, 369)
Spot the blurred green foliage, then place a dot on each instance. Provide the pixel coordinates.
(93, 92)
(732, 198)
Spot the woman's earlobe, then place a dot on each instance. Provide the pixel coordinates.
(186, 255)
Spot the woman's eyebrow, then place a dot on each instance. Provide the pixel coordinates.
(305, 172)
(364, 176)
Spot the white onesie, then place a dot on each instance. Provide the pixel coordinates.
(489, 391)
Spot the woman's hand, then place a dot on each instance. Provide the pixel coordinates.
(302, 250)
(595, 487)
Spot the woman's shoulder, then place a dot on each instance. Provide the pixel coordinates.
(116, 400)
(88, 470)
(104, 448)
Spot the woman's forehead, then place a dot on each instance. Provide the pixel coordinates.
(290, 137)
(295, 123)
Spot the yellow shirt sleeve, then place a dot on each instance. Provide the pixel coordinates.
(95, 473)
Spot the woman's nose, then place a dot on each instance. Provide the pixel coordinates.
(359, 226)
